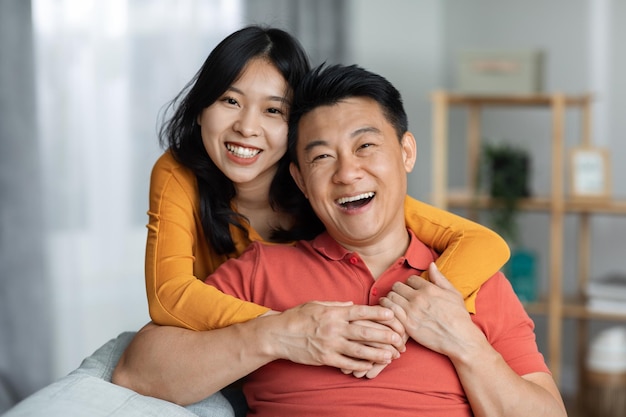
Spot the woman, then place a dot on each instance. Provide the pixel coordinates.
(224, 182)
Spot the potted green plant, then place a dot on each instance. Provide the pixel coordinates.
(507, 171)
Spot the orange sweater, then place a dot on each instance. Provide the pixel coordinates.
(179, 258)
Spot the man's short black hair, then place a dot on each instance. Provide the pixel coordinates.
(328, 85)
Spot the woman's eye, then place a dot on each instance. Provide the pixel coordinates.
(230, 100)
(274, 110)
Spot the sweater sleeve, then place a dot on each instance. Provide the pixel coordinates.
(470, 253)
(178, 259)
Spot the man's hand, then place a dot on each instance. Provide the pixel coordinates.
(433, 313)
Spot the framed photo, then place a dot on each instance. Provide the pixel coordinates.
(589, 168)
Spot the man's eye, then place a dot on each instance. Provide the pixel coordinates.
(320, 157)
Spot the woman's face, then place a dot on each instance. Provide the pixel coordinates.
(245, 130)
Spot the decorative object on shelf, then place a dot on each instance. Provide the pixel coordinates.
(607, 294)
(589, 172)
(605, 374)
(500, 71)
(507, 173)
(521, 271)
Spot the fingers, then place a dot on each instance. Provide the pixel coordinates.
(437, 278)
(397, 304)
(360, 357)
(414, 282)
(376, 369)
(334, 303)
(389, 334)
(364, 340)
(366, 312)
(320, 334)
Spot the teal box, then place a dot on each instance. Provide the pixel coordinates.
(488, 72)
(521, 270)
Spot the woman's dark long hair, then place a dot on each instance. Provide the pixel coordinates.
(181, 134)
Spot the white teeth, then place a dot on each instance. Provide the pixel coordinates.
(344, 200)
(242, 152)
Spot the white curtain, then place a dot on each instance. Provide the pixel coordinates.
(104, 69)
(320, 25)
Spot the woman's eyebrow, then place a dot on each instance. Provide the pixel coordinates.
(280, 99)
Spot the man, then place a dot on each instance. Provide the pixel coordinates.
(351, 150)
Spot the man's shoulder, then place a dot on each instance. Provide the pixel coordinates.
(279, 249)
(281, 253)
(496, 296)
(497, 282)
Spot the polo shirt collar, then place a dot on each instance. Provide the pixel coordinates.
(418, 255)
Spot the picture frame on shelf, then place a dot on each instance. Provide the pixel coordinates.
(589, 172)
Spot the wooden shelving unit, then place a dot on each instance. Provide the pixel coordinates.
(556, 204)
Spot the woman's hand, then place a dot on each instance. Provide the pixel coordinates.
(335, 334)
(396, 350)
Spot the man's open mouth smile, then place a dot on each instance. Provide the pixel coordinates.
(355, 201)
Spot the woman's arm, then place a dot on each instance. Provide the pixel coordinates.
(470, 252)
(185, 366)
(177, 254)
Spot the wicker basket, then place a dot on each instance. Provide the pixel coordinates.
(604, 394)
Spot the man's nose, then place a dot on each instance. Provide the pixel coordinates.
(348, 169)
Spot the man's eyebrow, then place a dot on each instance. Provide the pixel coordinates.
(364, 129)
(354, 134)
(280, 99)
(315, 143)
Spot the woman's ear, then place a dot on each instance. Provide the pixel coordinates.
(409, 151)
(297, 177)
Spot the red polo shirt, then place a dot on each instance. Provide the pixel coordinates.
(421, 382)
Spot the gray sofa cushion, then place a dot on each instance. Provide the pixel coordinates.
(87, 391)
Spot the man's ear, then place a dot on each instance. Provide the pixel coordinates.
(297, 177)
(409, 151)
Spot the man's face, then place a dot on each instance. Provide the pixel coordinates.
(353, 170)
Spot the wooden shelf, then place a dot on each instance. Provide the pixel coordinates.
(573, 308)
(556, 204)
(533, 100)
(466, 199)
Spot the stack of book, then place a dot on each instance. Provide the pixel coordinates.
(607, 294)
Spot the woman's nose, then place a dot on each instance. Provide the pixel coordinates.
(248, 123)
